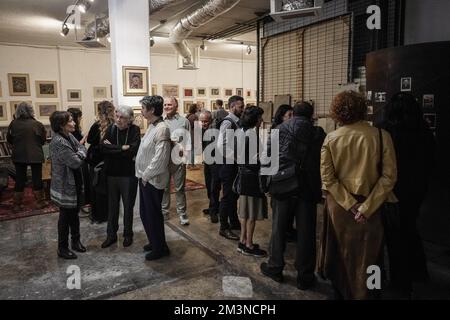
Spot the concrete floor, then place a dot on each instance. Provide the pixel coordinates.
(202, 265)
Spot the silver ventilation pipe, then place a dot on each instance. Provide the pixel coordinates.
(211, 10)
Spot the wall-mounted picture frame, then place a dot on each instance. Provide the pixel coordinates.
(13, 106)
(428, 101)
(45, 109)
(100, 93)
(215, 92)
(154, 90)
(73, 95)
(3, 111)
(227, 92)
(135, 81)
(213, 105)
(171, 90)
(248, 93)
(188, 92)
(201, 92)
(226, 105)
(430, 118)
(380, 97)
(186, 105)
(406, 84)
(240, 92)
(139, 119)
(46, 89)
(19, 84)
(369, 110)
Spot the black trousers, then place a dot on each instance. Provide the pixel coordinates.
(21, 176)
(306, 216)
(68, 220)
(212, 187)
(151, 215)
(99, 202)
(228, 204)
(125, 188)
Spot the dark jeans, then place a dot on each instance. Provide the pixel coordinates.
(228, 204)
(99, 202)
(305, 215)
(21, 176)
(151, 215)
(68, 219)
(125, 188)
(212, 187)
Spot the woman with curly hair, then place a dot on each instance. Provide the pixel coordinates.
(96, 135)
(355, 189)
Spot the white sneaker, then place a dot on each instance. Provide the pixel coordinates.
(184, 221)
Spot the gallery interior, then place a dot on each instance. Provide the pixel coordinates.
(61, 54)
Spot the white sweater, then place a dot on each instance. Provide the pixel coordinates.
(152, 160)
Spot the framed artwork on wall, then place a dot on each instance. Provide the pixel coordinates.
(73, 95)
(3, 112)
(100, 93)
(406, 84)
(171, 90)
(201, 92)
(19, 84)
(430, 118)
(135, 81)
(428, 101)
(46, 89)
(248, 93)
(188, 92)
(154, 89)
(13, 106)
(215, 92)
(44, 110)
(240, 92)
(139, 119)
(187, 105)
(227, 92)
(213, 105)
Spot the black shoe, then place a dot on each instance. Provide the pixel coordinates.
(127, 241)
(236, 227)
(306, 285)
(78, 246)
(267, 271)
(66, 254)
(255, 252)
(214, 218)
(155, 256)
(109, 242)
(205, 211)
(148, 247)
(241, 246)
(228, 234)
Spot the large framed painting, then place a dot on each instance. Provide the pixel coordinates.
(44, 110)
(135, 81)
(19, 84)
(170, 90)
(46, 89)
(73, 95)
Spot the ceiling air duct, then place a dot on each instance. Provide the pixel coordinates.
(208, 12)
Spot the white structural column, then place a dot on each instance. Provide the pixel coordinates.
(130, 43)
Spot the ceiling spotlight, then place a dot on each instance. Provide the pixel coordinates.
(84, 6)
(152, 42)
(249, 50)
(203, 46)
(64, 30)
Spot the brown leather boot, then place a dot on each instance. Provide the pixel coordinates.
(40, 199)
(17, 202)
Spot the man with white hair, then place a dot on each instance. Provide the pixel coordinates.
(120, 146)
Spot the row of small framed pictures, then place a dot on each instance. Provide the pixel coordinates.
(171, 90)
(44, 109)
(427, 100)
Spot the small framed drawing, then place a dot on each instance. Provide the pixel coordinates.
(430, 118)
(46, 109)
(369, 110)
(46, 89)
(240, 92)
(428, 101)
(380, 97)
(406, 84)
(227, 92)
(139, 119)
(213, 105)
(215, 92)
(171, 90)
(188, 92)
(3, 112)
(73, 95)
(186, 106)
(19, 84)
(100, 93)
(248, 93)
(13, 106)
(201, 92)
(135, 81)
(202, 104)
(154, 89)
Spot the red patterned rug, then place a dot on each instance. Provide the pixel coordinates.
(6, 201)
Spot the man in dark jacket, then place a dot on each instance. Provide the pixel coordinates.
(300, 143)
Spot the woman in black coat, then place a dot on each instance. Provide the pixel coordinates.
(415, 149)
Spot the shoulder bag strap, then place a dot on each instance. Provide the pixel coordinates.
(380, 162)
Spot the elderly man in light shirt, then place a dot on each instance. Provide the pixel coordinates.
(152, 170)
(180, 135)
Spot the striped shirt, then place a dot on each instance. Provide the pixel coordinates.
(152, 160)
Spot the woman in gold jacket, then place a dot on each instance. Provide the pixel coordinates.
(355, 190)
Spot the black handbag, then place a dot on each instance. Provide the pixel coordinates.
(246, 183)
(285, 181)
(390, 212)
(99, 179)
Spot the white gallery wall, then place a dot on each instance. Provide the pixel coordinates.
(83, 69)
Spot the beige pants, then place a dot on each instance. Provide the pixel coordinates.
(178, 172)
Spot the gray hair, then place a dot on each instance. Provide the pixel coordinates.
(127, 112)
(207, 112)
(24, 110)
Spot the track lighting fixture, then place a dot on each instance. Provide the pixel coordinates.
(203, 46)
(152, 42)
(64, 30)
(249, 50)
(84, 6)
